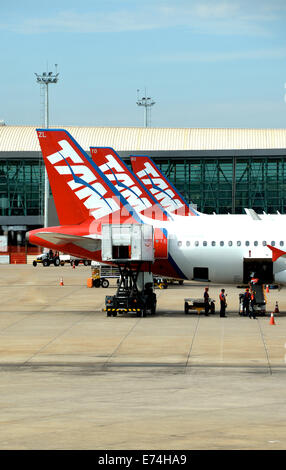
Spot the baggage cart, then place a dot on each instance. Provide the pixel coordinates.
(198, 305)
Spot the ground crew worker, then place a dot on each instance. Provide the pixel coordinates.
(222, 298)
(246, 300)
(206, 301)
(252, 303)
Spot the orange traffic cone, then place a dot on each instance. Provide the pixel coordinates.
(73, 266)
(272, 321)
(267, 288)
(61, 282)
(276, 308)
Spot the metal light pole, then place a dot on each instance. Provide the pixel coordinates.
(146, 102)
(44, 80)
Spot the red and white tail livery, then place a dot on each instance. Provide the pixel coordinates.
(127, 183)
(83, 196)
(154, 180)
(79, 188)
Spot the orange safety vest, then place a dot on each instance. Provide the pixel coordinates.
(222, 297)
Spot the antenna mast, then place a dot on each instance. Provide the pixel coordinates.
(146, 102)
(44, 80)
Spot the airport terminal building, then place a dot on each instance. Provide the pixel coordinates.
(218, 170)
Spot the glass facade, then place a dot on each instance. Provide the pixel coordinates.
(221, 184)
(21, 187)
(231, 184)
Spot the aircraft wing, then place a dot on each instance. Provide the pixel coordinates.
(87, 243)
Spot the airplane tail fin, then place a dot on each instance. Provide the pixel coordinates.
(127, 183)
(160, 187)
(80, 189)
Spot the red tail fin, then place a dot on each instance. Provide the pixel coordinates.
(276, 252)
(127, 183)
(79, 188)
(154, 180)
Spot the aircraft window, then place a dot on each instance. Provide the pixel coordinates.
(247, 243)
(264, 243)
(238, 243)
(197, 243)
(230, 243)
(281, 243)
(179, 243)
(213, 243)
(205, 243)
(188, 243)
(221, 243)
(255, 243)
(272, 243)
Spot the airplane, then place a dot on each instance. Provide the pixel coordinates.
(222, 249)
(165, 193)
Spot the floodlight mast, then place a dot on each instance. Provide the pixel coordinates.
(44, 80)
(146, 102)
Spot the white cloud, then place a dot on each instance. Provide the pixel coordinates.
(212, 17)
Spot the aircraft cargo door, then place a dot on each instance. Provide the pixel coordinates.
(260, 268)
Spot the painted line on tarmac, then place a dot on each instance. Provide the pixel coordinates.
(106, 367)
(58, 335)
(191, 347)
(107, 362)
(265, 347)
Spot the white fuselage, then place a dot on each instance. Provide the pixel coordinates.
(222, 243)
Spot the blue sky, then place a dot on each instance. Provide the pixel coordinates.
(208, 63)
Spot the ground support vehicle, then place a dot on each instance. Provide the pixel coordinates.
(163, 282)
(129, 246)
(97, 278)
(198, 305)
(73, 261)
(130, 296)
(160, 282)
(46, 260)
(56, 259)
(100, 272)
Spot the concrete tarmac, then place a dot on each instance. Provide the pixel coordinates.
(71, 378)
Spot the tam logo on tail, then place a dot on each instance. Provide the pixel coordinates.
(80, 190)
(165, 193)
(159, 188)
(127, 183)
(83, 182)
(124, 183)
